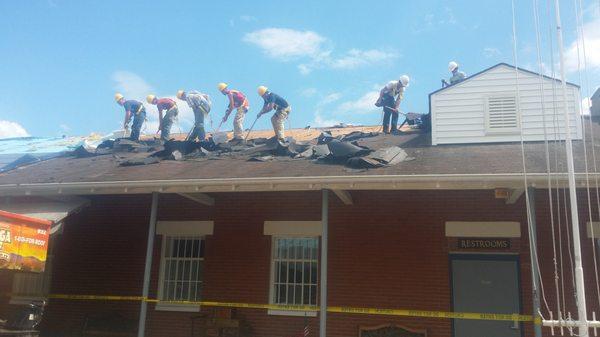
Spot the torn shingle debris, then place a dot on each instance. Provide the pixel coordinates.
(343, 149)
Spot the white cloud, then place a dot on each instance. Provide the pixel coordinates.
(10, 129)
(356, 57)
(309, 92)
(248, 18)
(491, 52)
(363, 105)
(586, 103)
(131, 85)
(328, 99)
(64, 127)
(320, 121)
(287, 44)
(592, 47)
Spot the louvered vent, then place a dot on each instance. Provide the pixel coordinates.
(502, 114)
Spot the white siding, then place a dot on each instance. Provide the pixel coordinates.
(458, 114)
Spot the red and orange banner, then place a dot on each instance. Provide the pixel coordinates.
(23, 242)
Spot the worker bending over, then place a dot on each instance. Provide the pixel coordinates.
(133, 109)
(200, 104)
(281, 107)
(238, 101)
(457, 75)
(389, 98)
(170, 107)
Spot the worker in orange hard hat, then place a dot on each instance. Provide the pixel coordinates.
(133, 109)
(281, 107)
(238, 101)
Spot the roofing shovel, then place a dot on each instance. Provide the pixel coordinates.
(219, 137)
(252, 127)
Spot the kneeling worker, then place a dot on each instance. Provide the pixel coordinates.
(281, 107)
(457, 75)
(170, 107)
(133, 109)
(200, 104)
(238, 101)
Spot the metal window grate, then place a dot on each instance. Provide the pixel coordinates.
(183, 267)
(295, 267)
(502, 113)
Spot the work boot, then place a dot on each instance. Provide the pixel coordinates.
(396, 132)
(386, 130)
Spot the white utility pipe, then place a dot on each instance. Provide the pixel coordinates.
(582, 322)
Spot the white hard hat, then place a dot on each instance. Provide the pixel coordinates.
(452, 65)
(404, 79)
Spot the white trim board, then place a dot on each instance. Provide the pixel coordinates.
(486, 229)
(293, 228)
(184, 227)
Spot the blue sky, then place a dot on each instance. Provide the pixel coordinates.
(62, 61)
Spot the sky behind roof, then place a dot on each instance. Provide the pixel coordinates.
(62, 61)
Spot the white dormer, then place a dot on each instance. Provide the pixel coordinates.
(488, 108)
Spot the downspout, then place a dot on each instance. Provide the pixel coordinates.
(535, 273)
(148, 267)
(324, 248)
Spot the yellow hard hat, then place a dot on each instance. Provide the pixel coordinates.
(118, 97)
(221, 86)
(180, 94)
(262, 89)
(150, 98)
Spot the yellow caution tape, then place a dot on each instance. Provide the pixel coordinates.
(344, 310)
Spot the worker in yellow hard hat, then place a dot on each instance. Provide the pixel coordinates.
(169, 106)
(133, 109)
(281, 107)
(238, 101)
(200, 104)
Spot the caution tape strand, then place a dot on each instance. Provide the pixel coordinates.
(344, 310)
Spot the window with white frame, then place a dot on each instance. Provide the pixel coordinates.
(294, 270)
(182, 264)
(502, 114)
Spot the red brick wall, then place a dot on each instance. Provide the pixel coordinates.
(388, 250)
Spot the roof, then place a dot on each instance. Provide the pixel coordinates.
(486, 162)
(496, 66)
(596, 95)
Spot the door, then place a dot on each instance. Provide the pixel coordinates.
(486, 284)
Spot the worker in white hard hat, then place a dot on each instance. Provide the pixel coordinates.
(390, 97)
(457, 75)
(237, 101)
(133, 110)
(200, 104)
(281, 107)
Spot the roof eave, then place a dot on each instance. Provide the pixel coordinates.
(372, 182)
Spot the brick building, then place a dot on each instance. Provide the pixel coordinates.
(445, 232)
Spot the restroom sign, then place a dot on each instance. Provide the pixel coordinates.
(484, 243)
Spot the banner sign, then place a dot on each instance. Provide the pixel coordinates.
(23, 242)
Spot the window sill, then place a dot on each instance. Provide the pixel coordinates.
(166, 306)
(292, 313)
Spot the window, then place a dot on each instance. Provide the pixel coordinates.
(182, 263)
(502, 114)
(295, 268)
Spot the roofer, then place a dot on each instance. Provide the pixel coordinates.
(281, 107)
(200, 104)
(390, 97)
(133, 109)
(238, 101)
(457, 75)
(170, 107)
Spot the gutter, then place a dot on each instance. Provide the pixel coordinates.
(356, 182)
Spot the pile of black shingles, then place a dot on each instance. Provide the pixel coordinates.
(340, 150)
